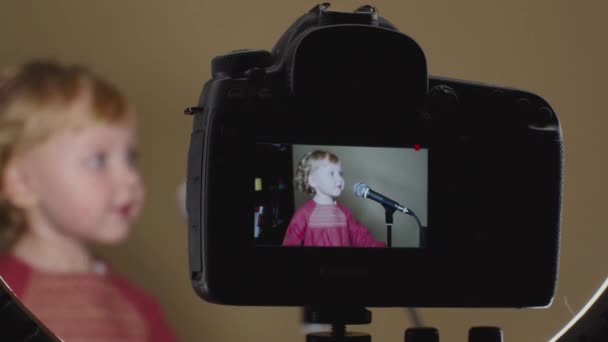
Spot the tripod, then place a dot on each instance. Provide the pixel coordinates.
(339, 317)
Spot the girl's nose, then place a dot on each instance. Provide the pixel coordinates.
(128, 176)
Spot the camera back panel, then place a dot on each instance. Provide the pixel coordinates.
(481, 165)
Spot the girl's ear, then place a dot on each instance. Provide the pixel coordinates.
(16, 185)
(311, 181)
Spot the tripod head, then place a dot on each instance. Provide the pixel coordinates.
(338, 318)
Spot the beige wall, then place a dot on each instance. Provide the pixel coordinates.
(159, 52)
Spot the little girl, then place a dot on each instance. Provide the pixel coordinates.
(322, 221)
(68, 179)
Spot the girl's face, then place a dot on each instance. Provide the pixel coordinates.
(326, 178)
(84, 183)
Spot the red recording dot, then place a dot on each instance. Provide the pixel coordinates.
(416, 147)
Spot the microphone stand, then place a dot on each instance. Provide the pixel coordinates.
(388, 217)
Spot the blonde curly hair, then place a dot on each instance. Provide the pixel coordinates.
(307, 165)
(34, 102)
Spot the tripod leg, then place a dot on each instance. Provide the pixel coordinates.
(485, 334)
(421, 335)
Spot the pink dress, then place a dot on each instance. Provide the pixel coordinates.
(89, 306)
(327, 225)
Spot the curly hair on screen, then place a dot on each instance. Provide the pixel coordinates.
(308, 164)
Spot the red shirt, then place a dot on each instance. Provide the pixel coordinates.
(327, 225)
(88, 307)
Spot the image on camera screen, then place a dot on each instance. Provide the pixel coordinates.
(340, 196)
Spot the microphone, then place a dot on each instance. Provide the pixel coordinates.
(362, 190)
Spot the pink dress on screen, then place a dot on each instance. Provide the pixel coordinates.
(327, 225)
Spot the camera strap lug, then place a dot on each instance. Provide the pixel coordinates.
(364, 15)
(193, 110)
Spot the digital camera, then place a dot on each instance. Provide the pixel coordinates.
(446, 193)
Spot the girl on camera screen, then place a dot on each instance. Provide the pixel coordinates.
(322, 221)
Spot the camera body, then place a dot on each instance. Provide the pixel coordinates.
(480, 164)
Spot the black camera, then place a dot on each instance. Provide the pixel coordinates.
(432, 192)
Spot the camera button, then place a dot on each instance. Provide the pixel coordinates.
(544, 117)
(255, 74)
(524, 103)
(236, 63)
(444, 94)
(524, 110)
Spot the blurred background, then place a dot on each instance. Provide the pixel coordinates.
(159, 53)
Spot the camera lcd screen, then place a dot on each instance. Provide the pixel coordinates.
(340, 196)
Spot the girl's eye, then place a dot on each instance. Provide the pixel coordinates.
(132, 156)
(97, 161)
